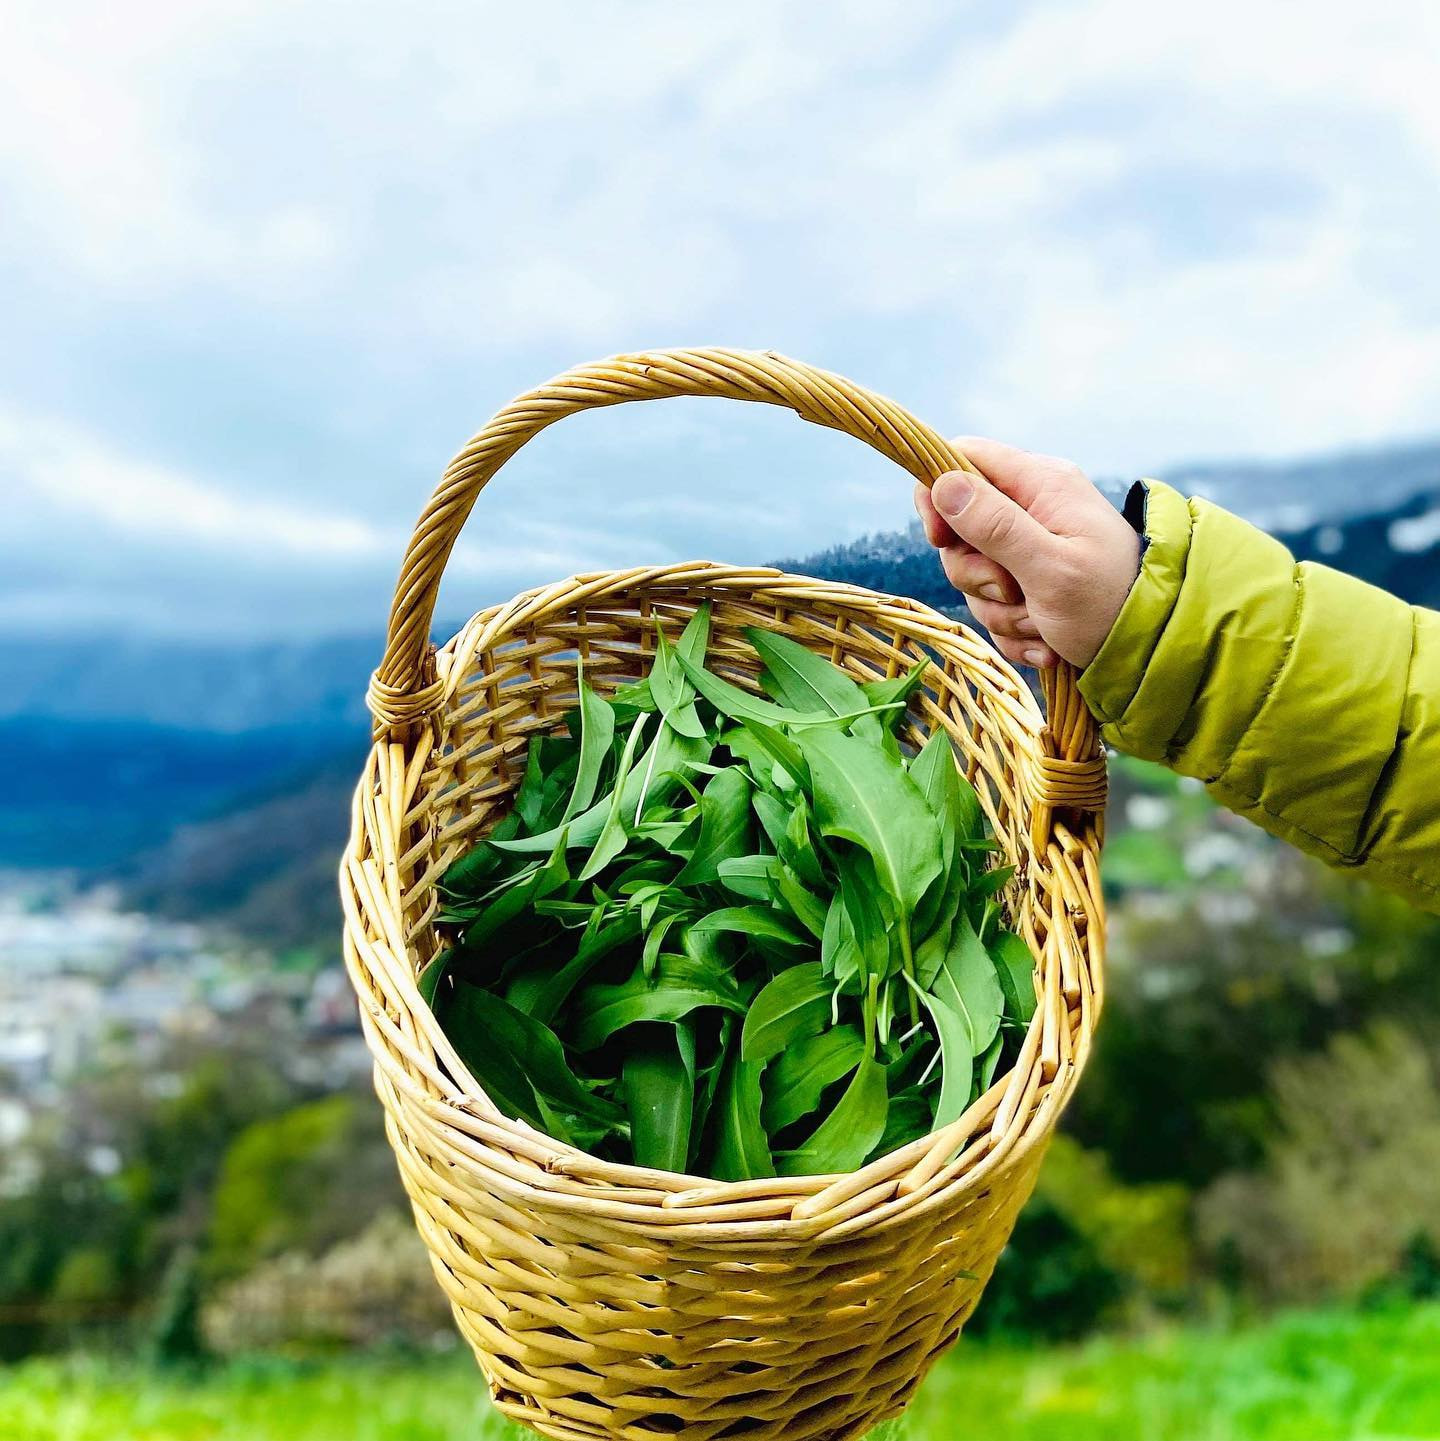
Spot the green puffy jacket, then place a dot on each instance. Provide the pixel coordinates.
(1303, 698)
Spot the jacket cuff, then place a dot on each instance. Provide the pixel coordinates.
(1109, 683)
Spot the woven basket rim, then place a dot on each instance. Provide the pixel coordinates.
(677, 576)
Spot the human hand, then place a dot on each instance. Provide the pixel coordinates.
(1044, 560)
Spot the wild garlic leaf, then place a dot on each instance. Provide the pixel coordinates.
(797, 1079)
(431, 974)
(527, 801)
(951, 798)
(659, 1090)
(957, 1059)
(472, 872)
(644, 879)
(583, 1131)
(864, 901)
(968, 984)
(802, 680)
(538, 885)
(635, 696)
(774, 816)
(709, 1068)
(597, 732)
(676, 836)
(742, 1149)
(695, 638)
(992, 882)
(797, 846)
(908, 1064)
(743, 706)
(524, 976)
(672, 690)
(932, 949)
(462, 911)
(808, 909)
(724, 827)
(749, 876)
(933, 771)
(585, 828)
(652, 776)
(750, 921)
(759, 765)
(730, 700)
(781, 749)
(840, 956)
(663, 768)
(547, 999)
(573, 915)
(511, 1054)
(985, 1067)
(679, 987)
(1015, 968)
(715, 949)
(908, 1119)
(795, 1004)
(654, 940)
(615, 832)
(890, 747)
(899, 688)
(558, 785)
(466, 1018)
(943, 897)
(953, 802)
(850, 1132)
(863, 797)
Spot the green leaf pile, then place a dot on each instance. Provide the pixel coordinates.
(733, 934)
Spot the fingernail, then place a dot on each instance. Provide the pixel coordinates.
(991, 591)
(1037, 658)
(952, 492)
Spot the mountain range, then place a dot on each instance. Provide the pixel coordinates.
(1375, 513)
(1395, 547)
(213, 779)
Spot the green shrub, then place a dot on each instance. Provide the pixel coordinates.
(1087, 1250)
(300, 1181)
(1351, 1185)
(175, 1329)
(88, 1276)
(1050, 1282)
(1140, 1232)
(377, 1288)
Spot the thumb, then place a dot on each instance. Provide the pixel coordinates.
(994, 524)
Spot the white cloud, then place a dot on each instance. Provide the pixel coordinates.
(60, 470)
(95, 536)
(59, 474)
(1291, 342)
(1133, 233)
(98, 156)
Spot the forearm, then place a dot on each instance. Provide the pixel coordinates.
(1303, 698)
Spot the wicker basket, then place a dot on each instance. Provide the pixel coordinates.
(609, 1301)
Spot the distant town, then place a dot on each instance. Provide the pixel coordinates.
(83, 978)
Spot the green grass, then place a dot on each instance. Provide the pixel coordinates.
(1323, 1376)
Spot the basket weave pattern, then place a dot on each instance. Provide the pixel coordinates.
(610, 1301)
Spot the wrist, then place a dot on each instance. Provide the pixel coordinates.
(1112, 574)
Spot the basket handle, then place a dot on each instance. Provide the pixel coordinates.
(404, 690)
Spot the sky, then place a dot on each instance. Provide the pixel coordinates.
(265, 266)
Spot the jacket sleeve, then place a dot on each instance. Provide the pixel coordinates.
(1304, 699)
